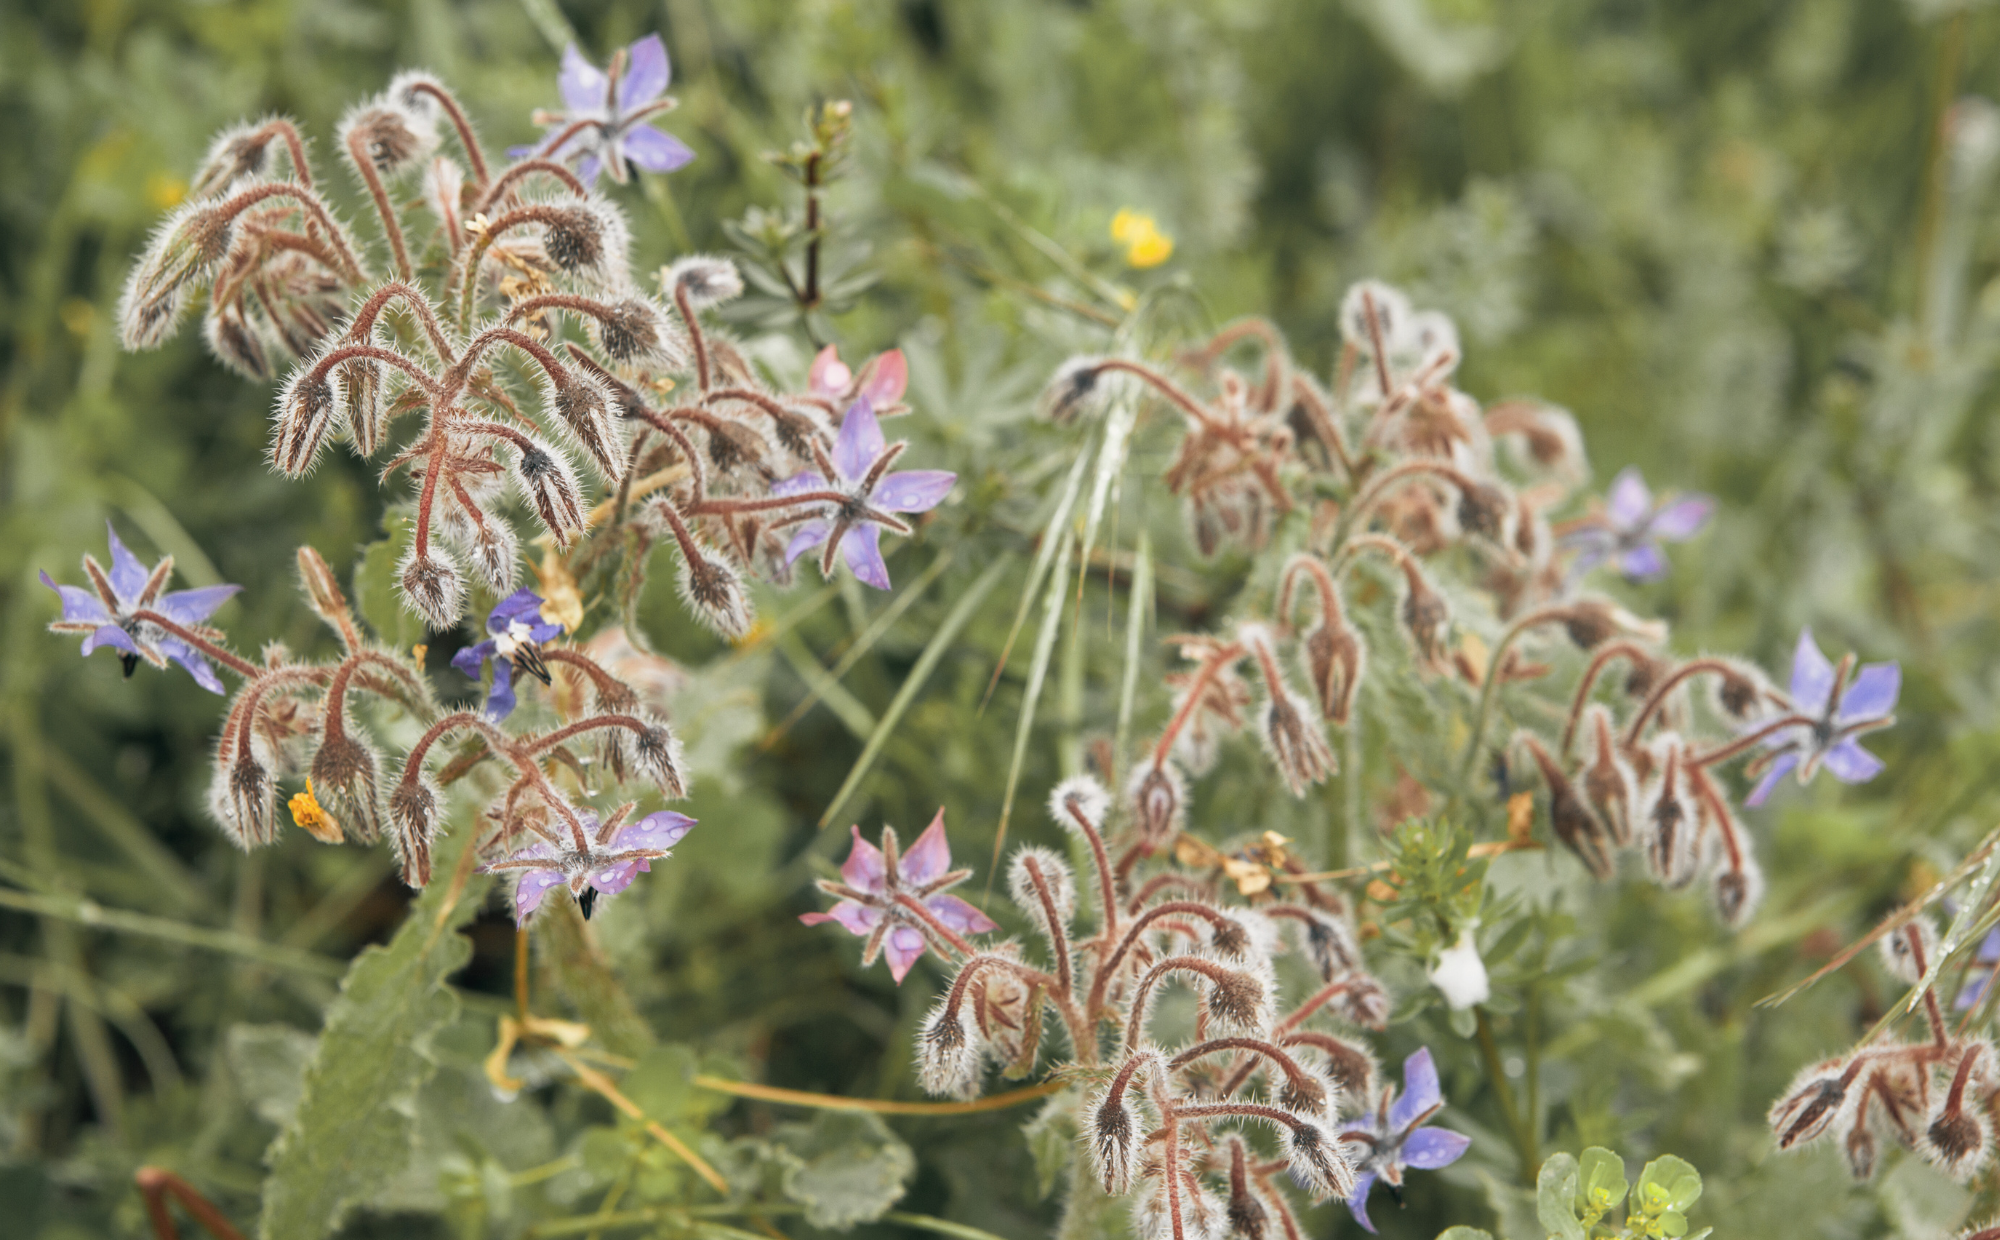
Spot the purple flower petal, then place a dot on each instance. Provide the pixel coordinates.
(1972, 992)
(858, 919)
(110, 635)
(529, 891)
(1420, 1091)
(79, 604)
(859, 443)
(583, 84)
(863, 870)
(903, 945)
(196, 665)
(1872, 694)
(913, 490)
(960, 916)
(544, 633)
(663, 829)
(1779, 768)
(654, 151)
(1850, 763)
(1629, 501)
(799, 483)
(587, 170)
(522, 604)
(194, 606)
(1427, 1149)
(1642, 563)
(128, 576)
(1682, 519)
(1357, 1201)
(810, 535)
(613, 879)
(500, 698)
(523, 152)
(646, 73)
(862, 547)
(888, 377)
(1812, 676)
(1989, 947)
(468, 659)
(929, 858)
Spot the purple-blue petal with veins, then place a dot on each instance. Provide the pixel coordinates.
(903, 945)
(1812, 676)
(929, 858)
(1642, 563)
(612, 879)
(863, 870)
(196, 665)
(1780, 766)
(1420, 1091)
(1989, 947)
(1629, 501)
(1872, 693)
(646, 73)
(110, 635)
(960, 916)
(533, 885)
(662, 829)
(522, 604)
(862, 548)
(1427, 1149)
(128, 576)
(1682, 519)
(859, 442)
(79, 604)
(194, 606)
(654, 151)
(587, 170)
(1357, 1201)
(857, 919)
(799, 483)
(469, 658)
(583, 84)
(810, 535)
(1850, 763)
(913, 490)
(500, 698)
(544, 633)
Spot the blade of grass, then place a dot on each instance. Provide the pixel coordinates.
(1043, 556)
(81, 912)
(180, 885)
(866, 640)
(1972, 907)
(1138, 609)
(1038, 671)
(822, 686)
(927, 662)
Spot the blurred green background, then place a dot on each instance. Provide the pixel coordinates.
(1750, 245)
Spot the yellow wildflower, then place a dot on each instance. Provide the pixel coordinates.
(1145, 245)
(308, 813)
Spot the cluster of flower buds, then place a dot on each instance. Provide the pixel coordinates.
(525, 265)
(493, 272)
(1404, 466)
(1934, 1096)
(1165, 1125)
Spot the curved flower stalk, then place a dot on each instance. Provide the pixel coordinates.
(536, 281)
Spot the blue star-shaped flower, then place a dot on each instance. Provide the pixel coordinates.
(604, 124)
(1842, 708)
(1393, 1138)
(107, 613)
(867, 496)
(518, 632)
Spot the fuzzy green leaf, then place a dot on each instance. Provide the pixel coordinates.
(1555, 1197)
(845, 1168)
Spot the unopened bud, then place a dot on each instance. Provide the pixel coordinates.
(1072, 390)
(1819, 1096)
(1316, 1161)
(1296, 741)
(551, 488)
(704, 280)
(413, 812)
(713, 590)
(1668, 817)
(1157, 801)
(1571, 817)
(433, 588)
(948, 1053)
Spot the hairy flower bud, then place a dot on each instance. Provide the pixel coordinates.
(238, 153)
(308, 408)
(1571, 817)
(1111, 1128)
(242, 795)
(1072, 390)
(236, 343)
(1306, 1094)
(433, 588)
(413, 816)
(1739, 691)
(1909, 950)
(1157, 800)
(948, 1052)
(1079, 796)
(583, 408)
(657, 754)
(1485, 508)
(704, 280)
(1370, 312)
(343, 775)
(1349, 1065)
(1668, 817)
(1315, 1160)
(392, 139)
(585, 240)
(1609, 787)
(1295, 741)
(551, 489)
(1819, 1097)
(185, 249)
(1056, 879)
(1958, 1137)
(635, 333)
(362, 385)
(1239, 1000)
(1738, 891)
(1329, 943)
(1427, 619)
(1333, 657)
(713, 590)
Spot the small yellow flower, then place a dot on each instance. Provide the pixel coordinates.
(1145, 245)
(308, 813)
(165, 192)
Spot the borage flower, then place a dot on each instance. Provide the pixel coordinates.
(110, 616)
(604, 122)
(1634, 525)
(1841, 709)
(896, 900)
(882, 379)
(1393, 1138)
(518, 632)
(868, 496)
(612, 856)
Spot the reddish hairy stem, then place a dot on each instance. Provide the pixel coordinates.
(695, 338)
(155, 1183)
(307, 199)
(397, 290)
(372, 176)
(1058, 938)
(467, 140)
(1221, 658)
(935, 925)
(235, 663)
(1658, 698)
(1621, 649)
(526, 168)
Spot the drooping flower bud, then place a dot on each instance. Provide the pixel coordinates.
(1079, 796)
(413, 813)
(585, 240)
(1609, 787)
(184, 250)
(433, 588)
(1295, 740)
(948, 1052)
(713, 590)
(1668, 816)
(1485, 509)
(1958, 1137)
(551, 489)
(1739, 891)
(344, 774)
(390, 138)
(308, 409)
(1072, 390)
(705, 280)
(1333, 656)
(635, 333)
(1158, 800)
(1427, 619)
(1571, 817)
(584, 408)
(1910, 950)
(1819, 1096)
(1316, 1162)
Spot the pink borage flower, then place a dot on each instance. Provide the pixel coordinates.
(861, 496)
(604, 124)
(882, 379)
(610, 857)
(897, 901)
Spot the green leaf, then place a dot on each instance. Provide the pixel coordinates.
(662, 1083)
(1602, 1183)
(1668, 1183)
(845, 1167)
(354, 1124)
(1052, 1141)
(269, 1065)
(376, 583)
(1555, 1197)
(1462, 1232)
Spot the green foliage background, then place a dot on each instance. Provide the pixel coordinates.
(1720, 232)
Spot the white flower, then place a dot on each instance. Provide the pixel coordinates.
(1459, 974)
